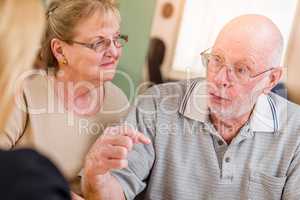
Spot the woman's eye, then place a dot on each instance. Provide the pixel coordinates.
(99, 43)
(117, 39)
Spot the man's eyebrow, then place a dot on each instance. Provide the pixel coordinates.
(218, 52)
(247, 61)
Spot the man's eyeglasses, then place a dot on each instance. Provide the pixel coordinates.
(104, 43)
(240, 72)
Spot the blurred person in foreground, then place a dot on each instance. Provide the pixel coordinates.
(24, 173)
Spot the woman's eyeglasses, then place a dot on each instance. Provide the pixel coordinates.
(104, 43)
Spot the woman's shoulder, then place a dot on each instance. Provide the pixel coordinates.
(115, 99)
(114, 91)
(35, 87)
(36, 80)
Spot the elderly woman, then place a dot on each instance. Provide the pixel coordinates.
(22, 171)
(62, 112)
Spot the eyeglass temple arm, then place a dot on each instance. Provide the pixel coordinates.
(262, 72)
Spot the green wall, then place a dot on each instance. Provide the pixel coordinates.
(136, 22)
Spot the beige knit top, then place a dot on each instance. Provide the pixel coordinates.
(46, 126)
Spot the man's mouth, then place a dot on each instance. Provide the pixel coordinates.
(217, 97)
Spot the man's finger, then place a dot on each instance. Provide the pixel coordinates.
(116, 164)
(121, 140)
(141, 138)
(136, 136)
(114, 152)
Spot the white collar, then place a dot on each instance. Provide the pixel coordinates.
(194, 106)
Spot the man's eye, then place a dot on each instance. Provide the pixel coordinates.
(242, 70)
(217, 59)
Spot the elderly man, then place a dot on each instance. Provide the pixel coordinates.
(227, 137)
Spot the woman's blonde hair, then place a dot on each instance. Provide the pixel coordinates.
(21, 29)
(62, 18)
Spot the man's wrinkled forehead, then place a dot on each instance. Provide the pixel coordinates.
(236, 56)
(253, 37)
(242, 46)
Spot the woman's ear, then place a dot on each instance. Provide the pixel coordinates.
(274, 78)
(57, 50)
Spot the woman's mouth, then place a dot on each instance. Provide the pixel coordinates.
(108, 64)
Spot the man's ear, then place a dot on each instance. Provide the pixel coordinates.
(274, 78)
(57, 49)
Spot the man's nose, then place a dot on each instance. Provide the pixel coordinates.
(222, 78)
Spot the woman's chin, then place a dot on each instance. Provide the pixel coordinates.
(103, 79)
(103, 75)
(109, 78)
(108, 67)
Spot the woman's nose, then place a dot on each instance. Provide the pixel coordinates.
(112, 50)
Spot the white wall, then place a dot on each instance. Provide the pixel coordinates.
(293, 61)
(167, 30)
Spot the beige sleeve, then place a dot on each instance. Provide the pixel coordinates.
(15, 125)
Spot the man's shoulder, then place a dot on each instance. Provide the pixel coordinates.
(288, 113)
(283, 104)
(178, 88)
(167, 95)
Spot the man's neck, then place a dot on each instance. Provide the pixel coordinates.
(228, 128)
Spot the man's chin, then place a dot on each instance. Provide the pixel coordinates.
(229, 113)
(225, 114)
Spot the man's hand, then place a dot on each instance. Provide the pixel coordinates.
(108, 153)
